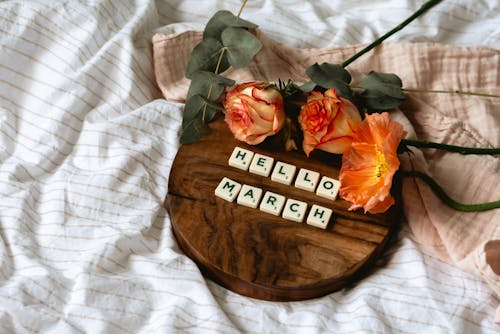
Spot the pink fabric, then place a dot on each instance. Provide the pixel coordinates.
(470, 241)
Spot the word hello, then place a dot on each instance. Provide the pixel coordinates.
(273, 203)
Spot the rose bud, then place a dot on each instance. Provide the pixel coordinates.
(254, 111)
(327, 121)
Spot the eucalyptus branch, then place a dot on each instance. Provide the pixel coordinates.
(448, 200)
(212, 84)
(414, 90)
(451, 148)
(425, 7)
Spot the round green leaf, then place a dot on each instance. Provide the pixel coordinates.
(331, 76)
(221, 20)
(241, 46)
(205, 56)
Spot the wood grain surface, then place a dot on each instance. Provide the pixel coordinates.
(255, 253)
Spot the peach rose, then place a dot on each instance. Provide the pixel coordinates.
(254, 111)
(327, 121)
(370, 163)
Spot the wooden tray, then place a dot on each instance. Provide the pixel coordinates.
(255, 253)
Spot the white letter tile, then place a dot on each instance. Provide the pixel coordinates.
(307, 179)
(227, 189)
(249, 196)
(319, 216)
(261, 164)
(240, 158)
(283, 173)
(272, 203)
(328, 188)
(294, 210)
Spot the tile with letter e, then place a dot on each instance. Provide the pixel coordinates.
(240, 158)
(272, 203)
(283, 173)
(307, 179)
(294, 210)
(319, 216)
(328, 188)
(227, 189)
(261, 164)
(249, 196)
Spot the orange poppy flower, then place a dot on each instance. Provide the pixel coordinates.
(369, 164)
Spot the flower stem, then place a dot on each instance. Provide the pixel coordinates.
(426, 6)
(451, 148)
(414, 90)
(448, 200)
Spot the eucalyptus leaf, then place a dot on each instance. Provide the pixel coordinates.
(241, 46)
(193, 131)
(221, 20)
(382, 91)
(205, 56)
(201, 82)
(331, 76)
(192, 110)
(307, 87)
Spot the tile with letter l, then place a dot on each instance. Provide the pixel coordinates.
(240, 158)
(307, 179)
(319, 216)
(261, 164)
(294, 210)
(249, 196)
(328, 188)
(272, 203)
(283, 173)
(227, 189)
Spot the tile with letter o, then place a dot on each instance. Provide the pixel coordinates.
(328, 188)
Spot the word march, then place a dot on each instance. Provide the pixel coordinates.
(273, 203)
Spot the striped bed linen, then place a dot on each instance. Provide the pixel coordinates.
(86, 146)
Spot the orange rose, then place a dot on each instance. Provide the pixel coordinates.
(369, 164)
(254, 110)
(327, 122)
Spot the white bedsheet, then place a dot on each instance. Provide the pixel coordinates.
(86, 145)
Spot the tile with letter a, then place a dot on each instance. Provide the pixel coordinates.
(283, 173)
(319, 216)
(249, 196)
(240, 158)
(272, 203)
(307, 179)
(328, 188)
(261, 164)
(227, 189)
(294, 210)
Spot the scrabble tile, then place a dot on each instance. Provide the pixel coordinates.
(272, 203)
(319, 216)
(307, 179)
(240, 158)
(283, 173)
(227, 189)
(249, 196)
(328, 188)
(261, 164)
(294, 210)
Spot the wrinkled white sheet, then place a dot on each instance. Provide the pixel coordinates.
(86, 147)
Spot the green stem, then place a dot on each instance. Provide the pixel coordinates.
(413, 90)
(243, 4)
(426, 6)
(451, 148)
(449, 201)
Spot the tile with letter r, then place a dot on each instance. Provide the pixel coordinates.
(272, 203)
(294, 210)
(240, 158)
(227, 189)
(328, 188)
(319, 216)
(249, 196)
(307, 179)
(283, 173)
(261, 164)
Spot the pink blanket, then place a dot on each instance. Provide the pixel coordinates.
(470, 241)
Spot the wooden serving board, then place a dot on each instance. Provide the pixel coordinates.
(255, 253)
